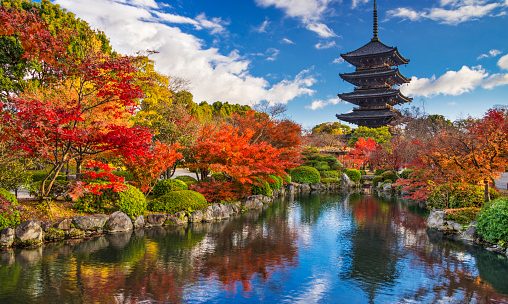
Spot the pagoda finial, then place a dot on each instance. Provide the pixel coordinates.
(375, 37)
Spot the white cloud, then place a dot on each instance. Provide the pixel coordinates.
(491, 53)
(263, 26)
(321, 103)
(325, 45)
(355, 3)
(503, 62)
(287, 41)
(215, 25)
(450, 11)
(454, 83)
(338, 60)
(310, 12)
(272, 54)
(213, 75)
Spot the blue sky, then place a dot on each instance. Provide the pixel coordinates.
(287, 51)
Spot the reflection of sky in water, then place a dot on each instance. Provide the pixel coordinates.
(318, 249)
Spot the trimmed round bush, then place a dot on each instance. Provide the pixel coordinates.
(379, 171)
(219, 177)
(329, 174)
(376, 180)
(176, 201)
(131, 202)
(330, 180)
(305, 175)
(275, 182)
(322, 166)
(354, 175)
(493, 221)
(168, 185)
(9, 214)
(262, 187)
(188, 180)
(389, 175)
(458, 195)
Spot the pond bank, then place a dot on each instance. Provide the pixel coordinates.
(34, 233)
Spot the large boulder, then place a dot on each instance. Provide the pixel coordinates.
(155, 220)
(436, 219)
(470, 233)
(208, 214)
(29, 233)
(253, 203)
(305, 188)
(346, 182)
(7, 237)
(119, 222)
(139, 222)
(196, 216)
(178, 219)
(65, 224)
(387, 187)
(90, 222)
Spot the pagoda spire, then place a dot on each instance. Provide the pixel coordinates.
(375, 37)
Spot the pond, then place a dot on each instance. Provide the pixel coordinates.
(313, 249)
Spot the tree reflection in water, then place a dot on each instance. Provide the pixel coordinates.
(386, 255)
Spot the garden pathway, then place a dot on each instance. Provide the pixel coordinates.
(502, 182)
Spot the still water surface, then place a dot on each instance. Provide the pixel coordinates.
(315, 249)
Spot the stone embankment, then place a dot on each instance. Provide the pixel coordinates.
(466, 233)
(34, 233)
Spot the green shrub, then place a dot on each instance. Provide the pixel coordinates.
(330, 180)
(462, 216)
(287, 179)
(219, 177)
(305, 175)
(406, 173)
(189, 180)
(389, 175)
(376, 180)
(262, 188)
(321, 166)
(493, 221)
(379, 171)
(9, 214)
(176, 201)
(329, 174)
(275, 182)
(59, 188)
(354, 175)
(168, 185)
(458, 195)
(363, 172)
(131, 202)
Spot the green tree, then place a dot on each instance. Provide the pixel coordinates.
(379, 135)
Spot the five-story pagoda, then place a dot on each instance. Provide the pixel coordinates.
(376, 81)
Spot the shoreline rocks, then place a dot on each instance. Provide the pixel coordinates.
(33, 233)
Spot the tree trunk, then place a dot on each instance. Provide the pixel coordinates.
(79, 163)
(487, 191)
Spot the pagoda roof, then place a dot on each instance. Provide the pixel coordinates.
(370, 118)
(375, 48)
(353, 97)
(375, 73)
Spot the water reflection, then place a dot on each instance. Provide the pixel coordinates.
(324, 248)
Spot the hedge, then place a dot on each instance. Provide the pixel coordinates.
(305, 175)
(9, 214)
(176, 201)
(457, 195)
(262, 187)
(168, 185)
(189, 180)
(493, 221)
(131, 201)
(330, 180)
(354, 175)
(330, 174)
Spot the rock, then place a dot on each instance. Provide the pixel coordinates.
(7, 237)
(65, 224)
(387, 187)
(208, 214)
(54, 234)
(179, 219)
(236, 207)
(75, 233)
(455, 226)
(155, 220)
(469, 234)
(291, 188)
(139, 222)
(119, 222)
(45, 226)
(90, 222)
(507, 252)
(253, 203)
(317, 187)
(196, 216)
(436, 219)
(220, 211)
(346, 182)
(29, 233)
(304, 188)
